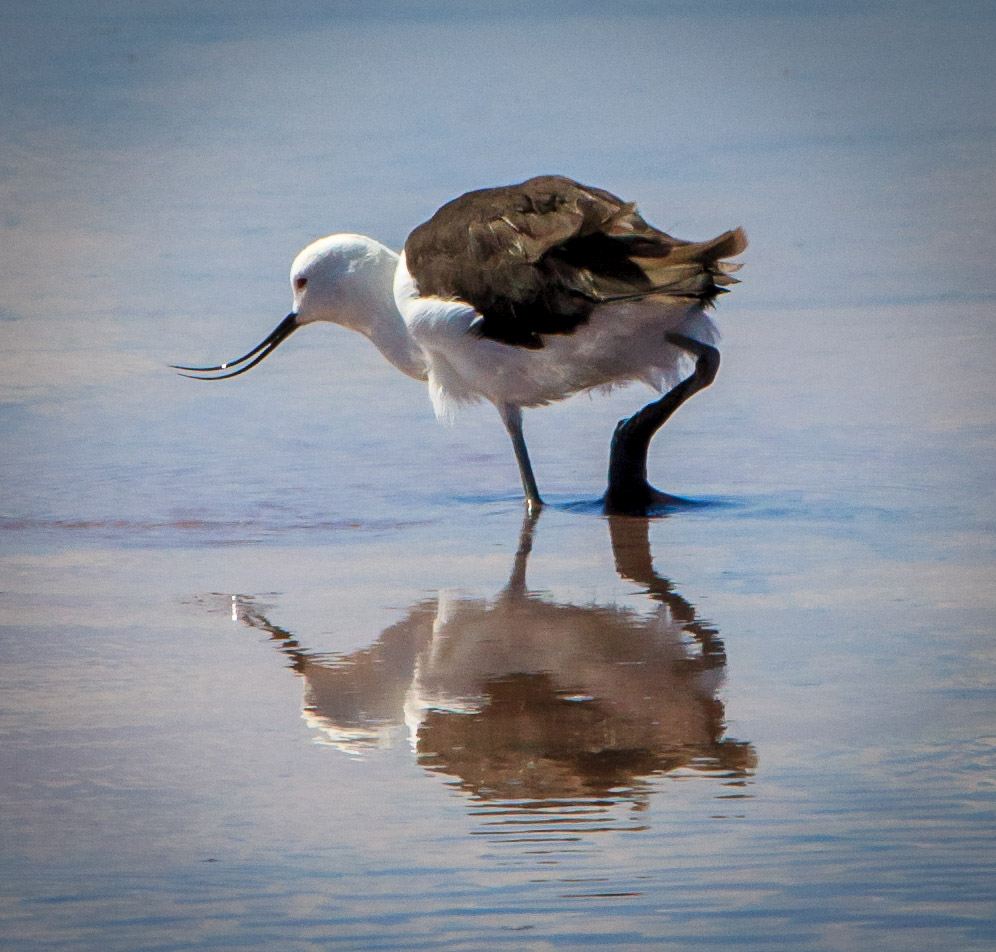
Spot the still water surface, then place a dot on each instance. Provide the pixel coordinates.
(281, 664)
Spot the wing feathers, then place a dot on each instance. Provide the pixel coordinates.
(536, 258)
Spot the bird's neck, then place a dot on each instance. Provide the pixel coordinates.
(390, 336)
(378, 319)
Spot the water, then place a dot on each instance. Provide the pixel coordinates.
(282, 666)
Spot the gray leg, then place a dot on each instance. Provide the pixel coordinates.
(628, 491)
(511, 416)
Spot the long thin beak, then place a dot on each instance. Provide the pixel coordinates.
(279, 334)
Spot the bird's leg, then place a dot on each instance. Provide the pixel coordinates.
(628, 491)
(511, 416)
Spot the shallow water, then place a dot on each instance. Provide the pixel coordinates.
(282, 664)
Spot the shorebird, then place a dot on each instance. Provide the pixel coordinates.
(523, 295)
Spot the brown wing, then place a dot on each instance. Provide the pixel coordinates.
(538, 257)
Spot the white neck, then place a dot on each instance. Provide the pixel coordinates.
(389, 333)
(364, 300)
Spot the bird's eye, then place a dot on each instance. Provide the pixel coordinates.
(300, 284)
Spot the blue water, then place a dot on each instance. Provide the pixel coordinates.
(280, 664)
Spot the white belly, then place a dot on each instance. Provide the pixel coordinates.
(620, 344)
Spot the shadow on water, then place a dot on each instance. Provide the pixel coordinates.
(594, 506)
(673, 505)
(545, 711)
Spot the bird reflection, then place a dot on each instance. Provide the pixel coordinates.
(524, 698)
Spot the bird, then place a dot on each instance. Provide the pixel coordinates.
(519, 295)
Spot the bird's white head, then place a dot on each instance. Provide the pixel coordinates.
(345, 279)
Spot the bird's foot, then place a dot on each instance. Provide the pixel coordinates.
(628, 492)
(639, 499)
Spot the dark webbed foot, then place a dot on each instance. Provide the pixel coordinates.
(628, 492)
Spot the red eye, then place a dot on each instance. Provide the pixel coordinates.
(300, 284)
